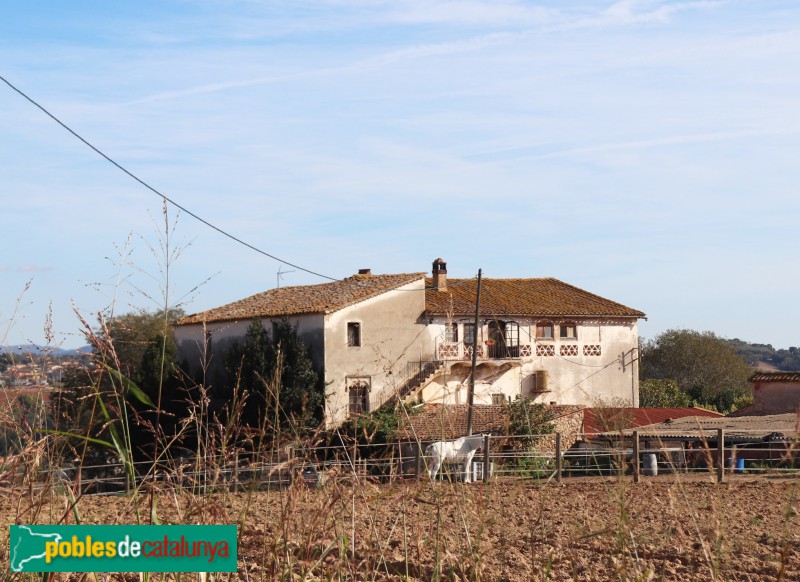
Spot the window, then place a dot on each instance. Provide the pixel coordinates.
(359, 398)
(512, 334)
(569, 331)
(544, 330)
(353, 334)
(451, 332)
(469, 334)
(498, 399)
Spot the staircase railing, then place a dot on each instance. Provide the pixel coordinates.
(412, 377)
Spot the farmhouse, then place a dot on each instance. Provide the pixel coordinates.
(380, 338)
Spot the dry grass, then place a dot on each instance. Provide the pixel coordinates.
(674, 527)
(586, 529)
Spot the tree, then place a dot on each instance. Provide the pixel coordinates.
(131, 335)
(118, 398)
(705, 366)
(662, 394)
(277, 377)
(530, 419)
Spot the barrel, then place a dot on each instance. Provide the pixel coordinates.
(650, 465)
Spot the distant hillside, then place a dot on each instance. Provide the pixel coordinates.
(764, 356)
(22, 349)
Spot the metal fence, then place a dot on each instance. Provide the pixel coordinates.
(537, 457)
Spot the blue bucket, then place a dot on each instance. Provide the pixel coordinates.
(739, 466)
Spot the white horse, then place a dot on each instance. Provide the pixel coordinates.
(459, 451)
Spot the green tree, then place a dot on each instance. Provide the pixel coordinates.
(277, 376)
(5, 362)
(705, 366)
(132, 373)
(662, 394)
(527, 417)
(128, 337)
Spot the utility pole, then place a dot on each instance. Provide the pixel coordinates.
(471, 390)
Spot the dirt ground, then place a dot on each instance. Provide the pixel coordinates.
(664, 528)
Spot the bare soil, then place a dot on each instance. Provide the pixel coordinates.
(664, 528)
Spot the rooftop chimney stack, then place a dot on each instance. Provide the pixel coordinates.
(439, 275)
(365, 271)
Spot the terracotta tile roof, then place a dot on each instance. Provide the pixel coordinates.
(438, 421)
(742, 428)
(449, 422)
(601, 420)
(323, 298)
(532, 297)
(775, 377)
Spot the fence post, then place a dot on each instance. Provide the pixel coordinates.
(417, 459)
(636, 456)
(558, 457)
(236, 473)
(720, 455)
(485, 458)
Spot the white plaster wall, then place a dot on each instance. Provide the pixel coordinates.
(392, 333)
(586, 380)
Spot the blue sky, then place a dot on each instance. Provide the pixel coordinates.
(643, 150)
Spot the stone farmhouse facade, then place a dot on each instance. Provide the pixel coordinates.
(384, 338)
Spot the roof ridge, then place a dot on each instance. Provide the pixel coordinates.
(305, 299)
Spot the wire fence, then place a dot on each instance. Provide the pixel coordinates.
(546, 457)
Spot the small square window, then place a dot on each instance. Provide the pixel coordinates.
(353, 334)
(569, 331)
(544, 330)
(498, 399)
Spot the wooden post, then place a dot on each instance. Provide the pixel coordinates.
(475, 335)
(417, 459)
(486, 458)
(720, 455)
(558, 457)
(636, 456)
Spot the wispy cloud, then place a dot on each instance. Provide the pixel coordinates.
(628, 12)
(544, 151)
(24, 268)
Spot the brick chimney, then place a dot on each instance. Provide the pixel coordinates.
(440, 275)
(365, 271)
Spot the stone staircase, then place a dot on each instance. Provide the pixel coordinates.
(417, 377)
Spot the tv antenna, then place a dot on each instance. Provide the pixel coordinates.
(281, 274)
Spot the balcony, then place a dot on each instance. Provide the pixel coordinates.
(490, 350)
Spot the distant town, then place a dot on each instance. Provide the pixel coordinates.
(40, 369)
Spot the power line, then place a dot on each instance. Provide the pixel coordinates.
(183, 208)
(163, 196)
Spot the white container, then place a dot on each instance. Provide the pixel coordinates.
(650, 465)
(477, 470)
